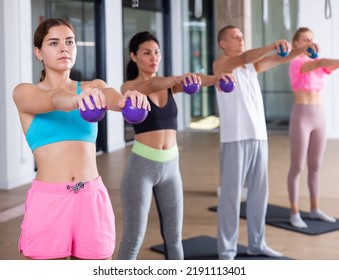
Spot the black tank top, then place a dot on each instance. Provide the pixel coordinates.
(159, 118)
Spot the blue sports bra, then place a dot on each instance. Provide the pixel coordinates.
(57, 126)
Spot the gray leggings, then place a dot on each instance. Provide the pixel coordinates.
(142, 178)
(307, 140)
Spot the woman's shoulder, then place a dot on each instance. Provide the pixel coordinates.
(24, 87)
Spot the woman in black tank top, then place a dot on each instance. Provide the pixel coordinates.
(153, 166)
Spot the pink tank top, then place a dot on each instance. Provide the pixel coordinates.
(313, 81)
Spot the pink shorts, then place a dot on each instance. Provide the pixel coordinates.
(62, 219)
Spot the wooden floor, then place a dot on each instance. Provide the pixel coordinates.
(199, 163)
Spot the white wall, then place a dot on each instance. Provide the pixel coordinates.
(38, 11)
(326, 31)
(177, 56)
(16, 161)
(114, 70)
(3, 97)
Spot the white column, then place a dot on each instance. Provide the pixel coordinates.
(16, 160)
(114, 69)
(177, 55)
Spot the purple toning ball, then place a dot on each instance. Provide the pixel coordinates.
(227, 87)
(133, 115)
(190, 88)
(92, 115)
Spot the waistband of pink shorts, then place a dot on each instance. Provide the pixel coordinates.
(67, 187)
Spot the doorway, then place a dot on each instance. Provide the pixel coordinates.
(199, 44)
(152, 16)
(272, 20)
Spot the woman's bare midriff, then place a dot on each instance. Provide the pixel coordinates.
(159, 139)
(307, 98)
(67, 161)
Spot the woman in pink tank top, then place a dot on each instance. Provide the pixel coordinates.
(307, 130)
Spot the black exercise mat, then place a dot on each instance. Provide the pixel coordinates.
(205, 248)
(278, 216)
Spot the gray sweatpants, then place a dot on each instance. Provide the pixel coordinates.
(243, 162)
(143, 177)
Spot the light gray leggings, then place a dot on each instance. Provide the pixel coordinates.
(142, 178)
(307, 140)
(243, 162)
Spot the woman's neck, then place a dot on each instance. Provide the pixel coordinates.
(52, 82)
(146, 76)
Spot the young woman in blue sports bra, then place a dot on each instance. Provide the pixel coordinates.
(153, 166)
(68, 211)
